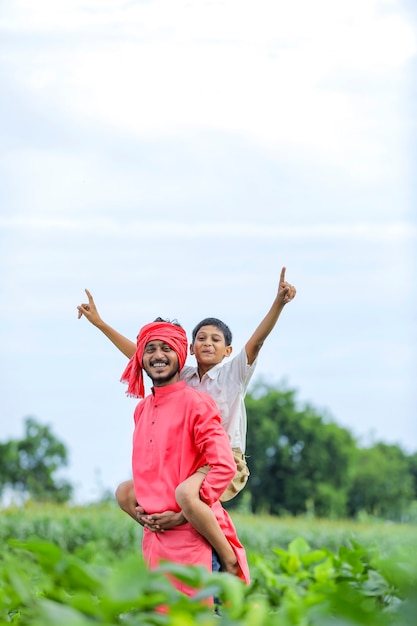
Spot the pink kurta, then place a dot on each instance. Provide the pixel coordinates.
(177, 431)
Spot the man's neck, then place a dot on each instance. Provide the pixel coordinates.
(166, 383)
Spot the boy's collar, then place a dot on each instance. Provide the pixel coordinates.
(212, 372)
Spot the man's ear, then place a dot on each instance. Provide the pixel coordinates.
(191, 349)
(228, 351)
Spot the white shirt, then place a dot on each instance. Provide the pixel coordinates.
(227, 384)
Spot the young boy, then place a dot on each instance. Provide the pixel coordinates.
(225, 382)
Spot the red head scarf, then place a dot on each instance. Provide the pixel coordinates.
(172, 335)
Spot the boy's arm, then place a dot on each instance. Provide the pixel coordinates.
(286, 293)
(211, 439)
(127, 347)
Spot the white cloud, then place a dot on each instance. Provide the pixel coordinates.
(144, 229)
(360, 32)
(273, 72)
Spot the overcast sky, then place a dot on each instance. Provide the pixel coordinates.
(172, 156)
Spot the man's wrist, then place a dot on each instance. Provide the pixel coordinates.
(181, 518)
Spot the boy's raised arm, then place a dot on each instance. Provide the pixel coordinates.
(127, 347)
(286, 293)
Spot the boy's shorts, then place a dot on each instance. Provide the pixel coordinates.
(240, 478)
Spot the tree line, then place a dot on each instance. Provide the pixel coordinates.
(300, 463)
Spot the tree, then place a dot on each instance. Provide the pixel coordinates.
(383, 483)
(298, 462)
(28, 466)
(412, 460)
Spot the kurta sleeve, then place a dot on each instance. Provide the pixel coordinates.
(213, 442)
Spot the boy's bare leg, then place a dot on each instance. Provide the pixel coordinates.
(126, 498)
(200, 515)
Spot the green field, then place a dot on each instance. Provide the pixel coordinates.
(73, 527)
(82, 566)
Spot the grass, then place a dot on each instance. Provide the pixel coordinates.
(75, 566)
(74, 528)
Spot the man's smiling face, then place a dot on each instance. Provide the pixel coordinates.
(160, 362)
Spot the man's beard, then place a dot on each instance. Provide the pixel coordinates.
(164, 379)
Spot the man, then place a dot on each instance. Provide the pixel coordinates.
(177, 431)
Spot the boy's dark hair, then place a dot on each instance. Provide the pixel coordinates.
(174, 321)
(214, 321)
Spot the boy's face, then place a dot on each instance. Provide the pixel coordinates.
(161, 363)
(209, 347)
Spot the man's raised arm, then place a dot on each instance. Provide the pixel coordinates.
(127, 347)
